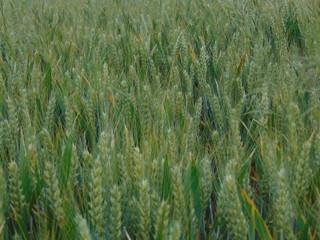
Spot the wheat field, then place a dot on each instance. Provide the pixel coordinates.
(159, 119)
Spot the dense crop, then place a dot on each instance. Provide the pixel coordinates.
(160, 119)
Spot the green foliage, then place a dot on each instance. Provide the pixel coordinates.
(132, 119)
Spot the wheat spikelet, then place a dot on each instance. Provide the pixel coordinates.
(230, 208)
(175, 231)
(82, 228)
(178, 195)
(270, 163)
(203, 59)
(115, 213)
(106, 160)
(172, 149)
(162, 222)
(49, 117)
(17, 199)
(206, 181)
(96, 204)
(144, 209)
(282, 206)
(3, 136)
(139, 166)
(69, 116)
(13, 127)
(26, 121)
(54, 193)
(302, 170)
(197, 114)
